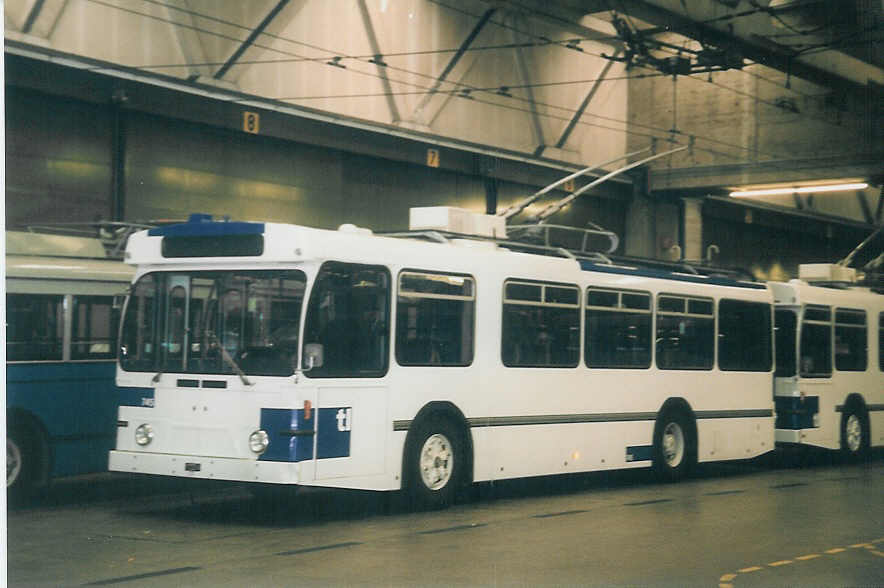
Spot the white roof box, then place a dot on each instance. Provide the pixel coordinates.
(456, 220)
(826, 272)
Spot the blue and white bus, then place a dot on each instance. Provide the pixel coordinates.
(61, 347)
(830, 361)
(282, 354)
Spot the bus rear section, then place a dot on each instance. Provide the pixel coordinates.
(830, 364)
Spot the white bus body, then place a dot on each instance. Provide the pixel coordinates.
(526, 419)
(830, 366)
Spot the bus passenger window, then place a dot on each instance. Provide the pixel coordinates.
(35, 327)
(618, 329)
(541, 325)
(94, 329)
(851, 353)
(685, 333)
(348, 315)
(815, 347)
(744, 336)
(434, 319)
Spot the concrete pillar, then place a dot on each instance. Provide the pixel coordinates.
(640, 222)
(692, 224)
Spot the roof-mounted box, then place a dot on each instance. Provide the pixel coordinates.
(826, 272)
(456, 220)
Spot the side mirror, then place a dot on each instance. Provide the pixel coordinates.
(313, 356)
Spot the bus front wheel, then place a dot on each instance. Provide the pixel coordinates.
(434, 464)
(19, 464)
(675, 448)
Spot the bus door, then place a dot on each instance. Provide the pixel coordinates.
(347, 335)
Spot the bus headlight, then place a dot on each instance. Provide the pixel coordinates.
(143, 434)
(258, 441)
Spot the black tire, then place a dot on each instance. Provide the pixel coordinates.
(854, 433)
(435, 463)
(21, 462)
(675, 446)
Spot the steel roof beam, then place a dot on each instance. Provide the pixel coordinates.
(250, 40)
(455, 59)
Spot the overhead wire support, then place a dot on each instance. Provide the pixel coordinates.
(557, 206)
(525, 203)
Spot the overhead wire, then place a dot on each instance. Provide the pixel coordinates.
(460, 87)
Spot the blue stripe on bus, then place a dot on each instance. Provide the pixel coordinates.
(639, 453)
(136, 396)
(292, 435)
(667, 275)
(201, 225)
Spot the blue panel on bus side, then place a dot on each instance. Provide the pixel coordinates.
(333, 439)
(796, 413)
(201, 225)
(75, 403)
(136, 396)
(639, 453)
(291, 435)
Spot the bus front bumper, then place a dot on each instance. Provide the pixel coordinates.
(202, 467)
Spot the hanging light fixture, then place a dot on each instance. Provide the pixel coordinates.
(814, 189)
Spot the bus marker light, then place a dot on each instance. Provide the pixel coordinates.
(143, 434)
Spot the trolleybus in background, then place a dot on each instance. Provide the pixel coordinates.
(283, 354)
(830, 360)
(61, 334)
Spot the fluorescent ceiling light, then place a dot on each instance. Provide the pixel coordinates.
(801, 190)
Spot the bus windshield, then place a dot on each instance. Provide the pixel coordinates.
(214, 322)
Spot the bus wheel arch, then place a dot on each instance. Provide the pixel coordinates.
(438, 456)
(854, 430)
(27, 445)
(675, 445)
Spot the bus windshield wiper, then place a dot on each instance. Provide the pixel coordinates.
(230, 361)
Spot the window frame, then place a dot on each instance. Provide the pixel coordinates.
(413, 294)
(541, 303)
(686, 307)
(619, 308)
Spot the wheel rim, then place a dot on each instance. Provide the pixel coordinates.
(853, 433)
(436, 462)
(13, 462)
(673, 444)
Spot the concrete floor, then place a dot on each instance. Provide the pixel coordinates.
(819, 523)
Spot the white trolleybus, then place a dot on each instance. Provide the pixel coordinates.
(283, 354)
(830, 360)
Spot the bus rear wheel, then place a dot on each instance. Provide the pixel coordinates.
(434, 465)
(675, 448)
(854, 433)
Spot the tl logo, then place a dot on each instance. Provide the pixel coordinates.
(344, 418)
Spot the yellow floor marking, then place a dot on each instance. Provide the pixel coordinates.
(858, 545)
(782, 562)
(727, 577)
(752, 569)
(878, 553)
(725, 586)
(836, 550)
(807, 557)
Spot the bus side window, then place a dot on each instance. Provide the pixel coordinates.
(541, 325)
(94, 327)
(434, 319)
(35, 330)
